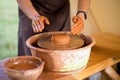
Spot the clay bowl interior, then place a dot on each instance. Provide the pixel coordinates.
(59, 41)
(23, 67)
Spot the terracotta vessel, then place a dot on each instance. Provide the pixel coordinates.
(62, 60)
(23, 67)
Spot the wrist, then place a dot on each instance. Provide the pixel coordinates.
(35, 17)
(82, 14)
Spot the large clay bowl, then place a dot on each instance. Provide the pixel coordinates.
(62, 60)
(23, 67)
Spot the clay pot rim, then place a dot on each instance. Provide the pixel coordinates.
(45, 50)
(33, 57)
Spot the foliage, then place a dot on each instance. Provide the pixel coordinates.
(8, 28)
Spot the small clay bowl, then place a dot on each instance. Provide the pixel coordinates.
(23, 67)
(60, 38)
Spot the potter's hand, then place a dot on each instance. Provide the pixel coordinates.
(78, 25)
(38, 23)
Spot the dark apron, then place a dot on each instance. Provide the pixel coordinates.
(58, 13)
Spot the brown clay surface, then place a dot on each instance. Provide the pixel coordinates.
(23, 66)
(60, 38)
(22, 63)
(60, 42)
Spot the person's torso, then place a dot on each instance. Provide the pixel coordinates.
(49, 6)
(57, 12)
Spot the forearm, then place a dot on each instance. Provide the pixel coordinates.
(83, 5)
(27, 7)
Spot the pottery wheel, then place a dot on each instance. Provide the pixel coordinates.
(46, 43)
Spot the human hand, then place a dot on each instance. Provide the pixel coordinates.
(38, 23)
(78, 25)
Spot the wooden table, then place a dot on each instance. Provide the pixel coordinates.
(104, 54)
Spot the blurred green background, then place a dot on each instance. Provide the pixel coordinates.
(8, 28)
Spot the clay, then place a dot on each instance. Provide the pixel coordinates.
(23, 66)
(60, 41)
(60, 38)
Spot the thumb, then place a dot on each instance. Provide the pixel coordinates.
(47, 21)
(74, 19)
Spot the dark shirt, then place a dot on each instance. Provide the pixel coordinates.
(58, 13)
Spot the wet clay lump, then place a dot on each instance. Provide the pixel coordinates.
(60, 38)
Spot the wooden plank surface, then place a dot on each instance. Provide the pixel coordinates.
(105, 53)
(108, 42)
(96, 63)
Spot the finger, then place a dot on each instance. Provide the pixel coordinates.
(35, 27)
(39, 26)
(74, 19)
(77, 29)
(42, 21)
(42, 24)
(79, 21)
(47, 21)
(75, 24)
